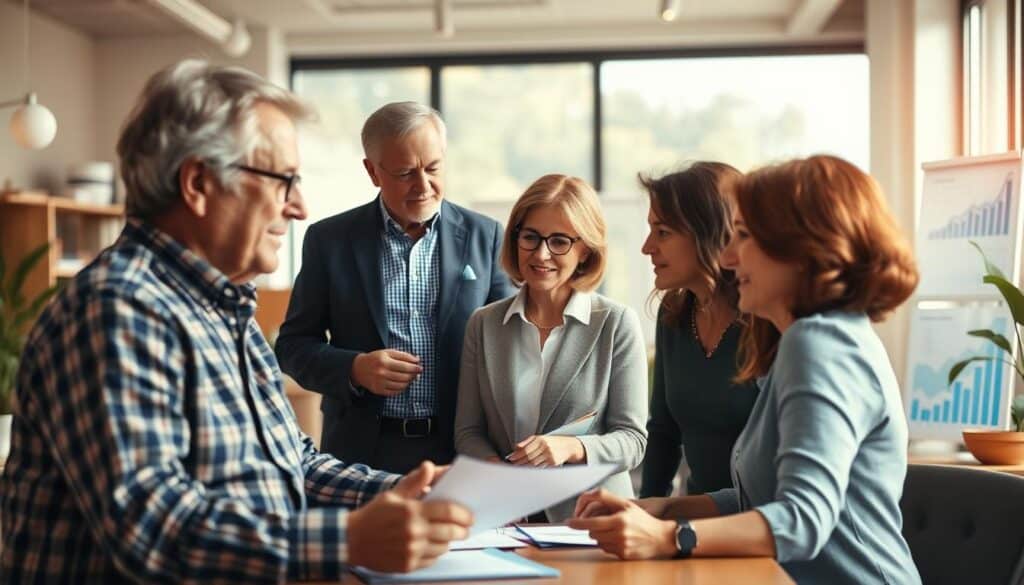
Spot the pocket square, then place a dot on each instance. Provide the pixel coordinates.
(468, 274)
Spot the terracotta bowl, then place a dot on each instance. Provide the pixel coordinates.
(996, 447)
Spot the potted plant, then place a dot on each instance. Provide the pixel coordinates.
(999, 447)
(16, 312)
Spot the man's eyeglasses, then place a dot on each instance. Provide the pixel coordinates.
(290, 181)
(558, 244)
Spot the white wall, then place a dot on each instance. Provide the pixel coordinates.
(62, 63)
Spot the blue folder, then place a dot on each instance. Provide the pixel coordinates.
(465, 565)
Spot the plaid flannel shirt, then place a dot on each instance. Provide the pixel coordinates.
(152, 440)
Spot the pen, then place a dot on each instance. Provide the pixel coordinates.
(529, 538)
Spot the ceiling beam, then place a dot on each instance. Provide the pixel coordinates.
(501, 38)
(810, 17)
(334, 8)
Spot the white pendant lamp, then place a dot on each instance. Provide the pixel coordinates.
(33, 125)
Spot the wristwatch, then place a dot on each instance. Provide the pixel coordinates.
(686, 539)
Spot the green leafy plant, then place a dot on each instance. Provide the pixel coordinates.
(15, 314)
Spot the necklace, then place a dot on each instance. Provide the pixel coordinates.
(544, 327)
(696, 336)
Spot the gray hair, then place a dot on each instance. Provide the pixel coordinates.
(194, 110)
(398, 120)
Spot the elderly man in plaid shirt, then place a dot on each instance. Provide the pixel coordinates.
(152, 440)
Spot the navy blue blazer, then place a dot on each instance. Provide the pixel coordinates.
(339, 292)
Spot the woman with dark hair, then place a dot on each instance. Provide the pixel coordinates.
(696, 407)
(819, 469)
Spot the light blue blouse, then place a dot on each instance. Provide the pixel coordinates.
(824, 455)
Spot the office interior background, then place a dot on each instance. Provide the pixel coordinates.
(603, 89)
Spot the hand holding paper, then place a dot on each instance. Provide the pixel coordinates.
(417, 482)
(555, 447)
(546, 451)
(399, 534)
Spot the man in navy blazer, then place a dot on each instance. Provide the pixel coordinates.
(379, 309)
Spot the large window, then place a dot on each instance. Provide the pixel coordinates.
(745, 111)
(601, 117)
(509, 124)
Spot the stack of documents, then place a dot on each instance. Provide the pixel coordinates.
(466, 565)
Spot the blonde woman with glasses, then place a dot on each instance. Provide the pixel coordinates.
(556, 351)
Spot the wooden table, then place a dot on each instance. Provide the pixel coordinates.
(961, 460)
(591, 566)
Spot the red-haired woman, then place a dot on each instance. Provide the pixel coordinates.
(818, 470)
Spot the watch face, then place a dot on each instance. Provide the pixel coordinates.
(686, 538)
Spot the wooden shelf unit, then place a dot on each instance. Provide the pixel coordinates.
(29, 219)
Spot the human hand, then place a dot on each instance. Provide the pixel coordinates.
(544, 451)
(591, 504)
(398, 534)
(385, 372)
(418, 482)
(627, 530)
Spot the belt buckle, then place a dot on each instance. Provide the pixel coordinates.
(409, 435)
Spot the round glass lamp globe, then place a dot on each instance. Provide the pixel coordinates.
(33, 126)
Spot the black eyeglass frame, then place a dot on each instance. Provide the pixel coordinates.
(544, 240)
(290, 180)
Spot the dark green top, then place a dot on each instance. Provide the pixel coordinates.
(694, 407)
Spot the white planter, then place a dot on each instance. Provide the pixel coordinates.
(5, 435)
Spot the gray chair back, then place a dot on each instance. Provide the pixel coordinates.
(964, 525)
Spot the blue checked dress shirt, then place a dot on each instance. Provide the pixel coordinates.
(152, 440)
(411, 282)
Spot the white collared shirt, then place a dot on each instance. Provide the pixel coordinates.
(528, 384)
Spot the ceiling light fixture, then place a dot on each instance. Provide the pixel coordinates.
(443, 23)
(233, 37)
(669, 10)
(33, 125)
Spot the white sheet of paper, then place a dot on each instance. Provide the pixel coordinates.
(495, 538)
(498, 493)
(559, 535)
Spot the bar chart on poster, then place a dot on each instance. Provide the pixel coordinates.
(985, 219)
(964, 201)
(977, 398)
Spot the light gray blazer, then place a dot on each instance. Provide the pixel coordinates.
(601, 366)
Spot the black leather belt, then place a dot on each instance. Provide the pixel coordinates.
(410, 428)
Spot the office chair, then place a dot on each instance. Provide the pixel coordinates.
(964, 525)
